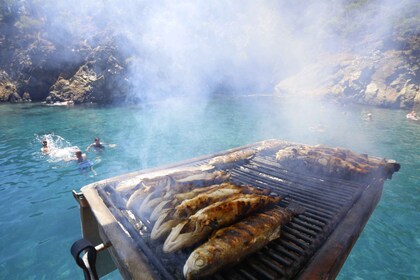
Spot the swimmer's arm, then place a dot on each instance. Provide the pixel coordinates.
(109, 145)
(90, 146)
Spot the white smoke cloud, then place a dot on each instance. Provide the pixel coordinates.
(193, 48)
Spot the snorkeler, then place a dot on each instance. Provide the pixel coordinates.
(98, 145)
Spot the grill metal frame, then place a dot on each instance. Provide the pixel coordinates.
(313, 246)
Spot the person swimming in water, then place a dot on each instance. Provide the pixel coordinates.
(412, 116)
(98, 145)
(45, 149)
(80, 157)
(83, 162)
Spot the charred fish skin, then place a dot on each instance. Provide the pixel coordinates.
(230, 245)
(197, 227)
(176, 199)
(165, 219)
(222, 192)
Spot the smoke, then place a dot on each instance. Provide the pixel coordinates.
(195, 48)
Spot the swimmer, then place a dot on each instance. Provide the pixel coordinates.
(412, 116)
(80, 157)
(45, 148)
(83, 162)
(98, 145)
(369, 116)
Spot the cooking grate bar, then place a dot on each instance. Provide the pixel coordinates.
(290, 245)
(311, 223)
(247, 275)
(310, 227)
(312, 214)
(277, 258)
(259, 269)
(328, 188)
(295, 239)
(301, 232)
(309, 189)
(281, 249)
(271, 263)
(271, 164)
(295, 195)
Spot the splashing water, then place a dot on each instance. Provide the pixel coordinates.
(59, 149)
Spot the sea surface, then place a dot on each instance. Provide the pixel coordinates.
(39, 219)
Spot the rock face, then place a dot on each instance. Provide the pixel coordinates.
(99, 80)
(8, 91)
(387, 78)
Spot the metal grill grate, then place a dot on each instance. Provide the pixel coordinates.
(326, 202)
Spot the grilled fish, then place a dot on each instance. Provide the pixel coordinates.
(128, 184)
(164, 224)
(177, 199)
(148, 178)
(139, 194)
(202, 179)
(156, 196)
(233, 158)
(198, 226)
(168, 219)
(223, 191)
(167, 192)
(270, 146)
(230, 245)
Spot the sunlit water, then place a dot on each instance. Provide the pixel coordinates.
(39, 219)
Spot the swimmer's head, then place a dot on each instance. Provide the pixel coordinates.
(78, 153)
(44, 143)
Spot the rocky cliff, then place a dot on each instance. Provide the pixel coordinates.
(41, 59)
(383, 77)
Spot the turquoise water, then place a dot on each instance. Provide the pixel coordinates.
(39, 219)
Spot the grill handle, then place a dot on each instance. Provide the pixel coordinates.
(84, 253)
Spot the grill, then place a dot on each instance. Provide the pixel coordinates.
(314, 244)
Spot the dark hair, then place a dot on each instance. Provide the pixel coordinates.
(78, 152)
(44, 142)
(97, 139)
